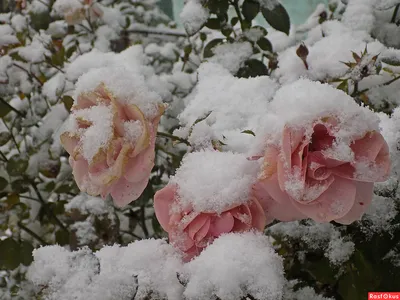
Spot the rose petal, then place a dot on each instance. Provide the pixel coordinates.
(259, 220)
(276, 204)
(363, 200)
(163, 200)
(368, 147)
(124, 192)
(315, 188)
(334, 203)
(321, 138)
(140, 166)
(69, 142)
(196, 224)
(222, 224)
(202, 233)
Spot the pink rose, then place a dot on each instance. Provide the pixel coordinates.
(192, 231)
(305, 177)
(111, 146)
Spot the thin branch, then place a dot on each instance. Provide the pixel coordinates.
(3, 156)
(391, 81)
(235, 4)
(12, 108)
(49, 211)
(157, 32)
(26, 229)
(29, 73)
(12, 136)
(173, 137)
(143, 222)
(394, 16)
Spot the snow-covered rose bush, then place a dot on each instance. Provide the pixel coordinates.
(223, 159)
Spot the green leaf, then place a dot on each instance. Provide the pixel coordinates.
(264, 44)
(250, 9)
(277, 17)
(5, 108)
(218, 7)
(213, 23)
(265, 32)
(3, 183)
(68, 102)
(344, 86)
(249, 132)
(252, 68)
(234, 21)
(26, 249)
(392, 61)
(17, 165)
(5, 136)
(208, 49)
(62, 237)
(70, 51)
(10, 250)
(20, 186)
(359, 279)
(12, 199)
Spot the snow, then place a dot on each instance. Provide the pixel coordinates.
(36, 52)
(268, 4)
(19, 23)
(309, 101)
(359, 15)
(77, 275)
(337, 248)
(232, 56)
(137, 86)
(60, 7)
(85, 232)
(223, 180)
(113, 272)
(236, 104)
(6, 35)
(233, 266)
(325, 57)
(54, 86)
(86, 204)
(193, 16)
(100, 131)
(379, 215)
(132, 130)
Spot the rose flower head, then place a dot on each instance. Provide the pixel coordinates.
(209, 195)
(324, 161)
(111, 144)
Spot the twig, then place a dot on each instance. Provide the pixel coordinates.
(20, 225)
(157, 32)
(391, 81)
(49, 211)
(12, 108)
(29, 73)
(235, 4)
(143, 222)
(396, 10)
(173, 137)
(3, 156)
